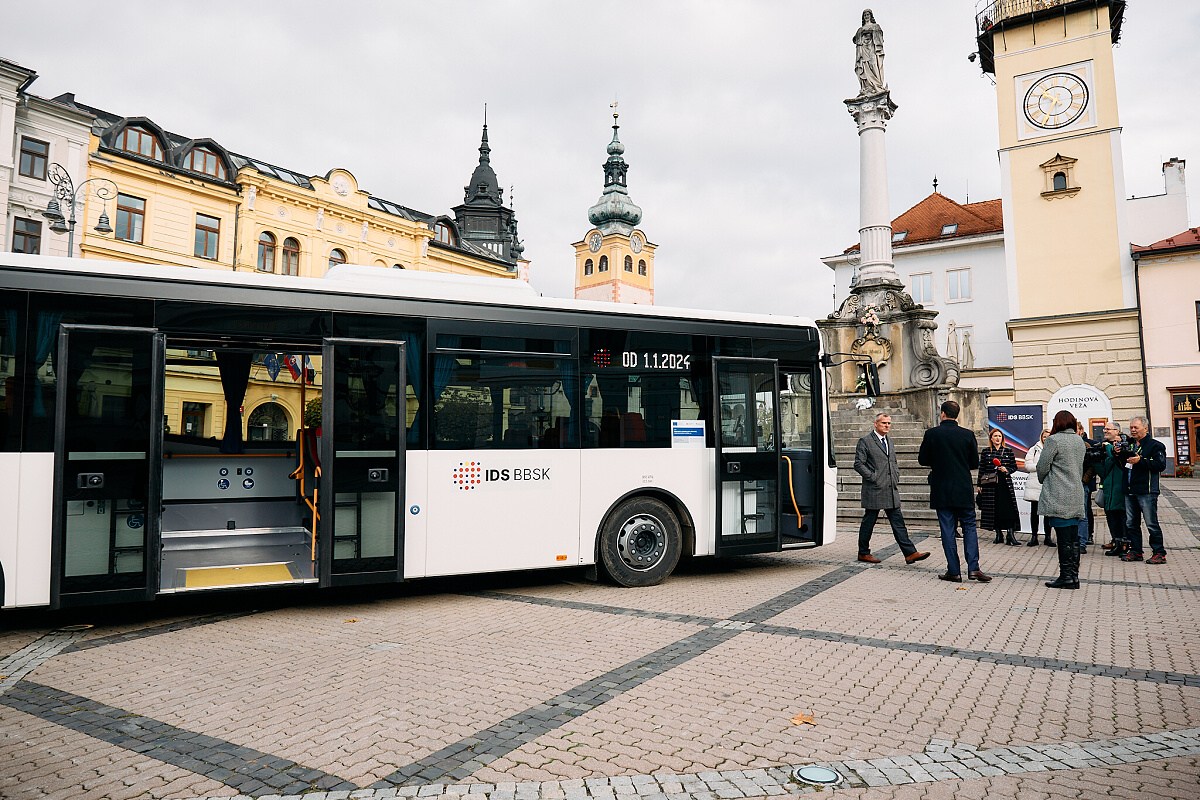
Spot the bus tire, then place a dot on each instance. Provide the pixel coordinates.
(640, 542)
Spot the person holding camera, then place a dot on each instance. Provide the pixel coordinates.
(1093, 454)
(1145, 458)
(1111, 473)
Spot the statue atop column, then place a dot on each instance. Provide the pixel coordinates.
(868, 56)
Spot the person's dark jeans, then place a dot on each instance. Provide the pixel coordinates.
(1137, 508)
(899, 530)
(947, 519)
(1091, 518)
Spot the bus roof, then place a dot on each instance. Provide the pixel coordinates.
(372, 281)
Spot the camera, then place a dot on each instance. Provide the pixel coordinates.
(1093, 456)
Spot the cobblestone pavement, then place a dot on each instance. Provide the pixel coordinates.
(716, 684)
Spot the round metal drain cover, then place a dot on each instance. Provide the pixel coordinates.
(817, 776)
(74, 628)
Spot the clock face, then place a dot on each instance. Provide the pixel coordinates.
(635, 243)
(1056, 100)
(594, 242)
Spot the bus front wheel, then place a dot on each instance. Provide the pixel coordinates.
(640, 542)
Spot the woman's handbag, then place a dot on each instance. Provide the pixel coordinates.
(1099, 496)
(989, 479)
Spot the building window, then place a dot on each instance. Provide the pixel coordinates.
(266, 252)
(444, 234)
(1198, 324)
(641, 266)
(950, 229)
(604, 263)
(336, 257)
(922, 288)
(208, 231)
(629, 263)
(958, 285)
(131, 213)
(27, 236)
(588, 267)
(397, 266)
(291, 256)
(1060, 181)
(33, 158)
(206, 162)
(899, 236)
(140, 142)
(194, 415)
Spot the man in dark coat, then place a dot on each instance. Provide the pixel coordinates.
(875, 460)
(951, 453)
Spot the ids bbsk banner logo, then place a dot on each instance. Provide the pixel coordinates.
(469, 475)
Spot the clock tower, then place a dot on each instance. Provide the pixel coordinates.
(1070, 274)
(614, 261)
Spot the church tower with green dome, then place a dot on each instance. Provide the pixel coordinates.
(614, 261)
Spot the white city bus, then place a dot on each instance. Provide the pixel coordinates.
(167, 429)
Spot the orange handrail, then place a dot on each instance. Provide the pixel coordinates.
(792, 493)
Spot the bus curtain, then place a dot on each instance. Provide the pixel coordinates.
(47, 333)
(235, 376)
(569, 375)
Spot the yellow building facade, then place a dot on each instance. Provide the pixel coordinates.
(1070, 276)
(192, 203)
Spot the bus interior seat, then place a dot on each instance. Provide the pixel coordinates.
(633, 427)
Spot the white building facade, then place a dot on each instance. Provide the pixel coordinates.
(34, 134)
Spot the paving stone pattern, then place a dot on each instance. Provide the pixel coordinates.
(716, 684)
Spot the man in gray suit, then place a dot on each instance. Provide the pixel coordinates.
(875, 460)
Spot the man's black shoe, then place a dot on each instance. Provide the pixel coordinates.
(952, 577)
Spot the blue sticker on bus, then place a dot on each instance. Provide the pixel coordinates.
(248, 483)
(223, 483)
(135, 521)
(414, 510)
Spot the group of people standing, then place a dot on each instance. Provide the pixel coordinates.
(1063, 470)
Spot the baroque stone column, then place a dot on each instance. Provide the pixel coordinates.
(876, 270)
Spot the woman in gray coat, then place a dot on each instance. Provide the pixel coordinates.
(1060, 469)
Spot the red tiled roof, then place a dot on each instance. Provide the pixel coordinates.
(1187, 239)
(925, 220)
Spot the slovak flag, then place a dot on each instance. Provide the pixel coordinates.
(293, 365)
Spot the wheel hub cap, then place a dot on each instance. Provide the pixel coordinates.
(642, 542)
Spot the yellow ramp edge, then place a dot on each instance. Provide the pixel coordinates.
(204, 577)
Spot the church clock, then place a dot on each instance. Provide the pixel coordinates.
(1056, 100)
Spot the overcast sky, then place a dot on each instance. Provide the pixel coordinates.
(741, 153)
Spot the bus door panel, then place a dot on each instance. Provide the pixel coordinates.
(748, 455)
(800, 472)
(361, 529)
(108, 476)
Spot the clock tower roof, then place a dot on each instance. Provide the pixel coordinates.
(615, 212)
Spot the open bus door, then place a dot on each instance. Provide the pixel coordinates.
(361, 529)
(107, 464)
(747, 407)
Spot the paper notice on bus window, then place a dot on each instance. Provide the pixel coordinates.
(687, 433)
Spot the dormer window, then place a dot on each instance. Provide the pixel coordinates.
(950, 229)
(899, 236)
(140, 142)
(206, 162)
(443, 233)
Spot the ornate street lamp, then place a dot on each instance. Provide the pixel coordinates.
(65, 193)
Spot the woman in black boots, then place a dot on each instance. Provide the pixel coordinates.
(997, 500)
(1060, 469)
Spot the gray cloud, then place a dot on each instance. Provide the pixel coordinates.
(741, 153)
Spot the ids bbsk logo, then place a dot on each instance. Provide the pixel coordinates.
(468, 475)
